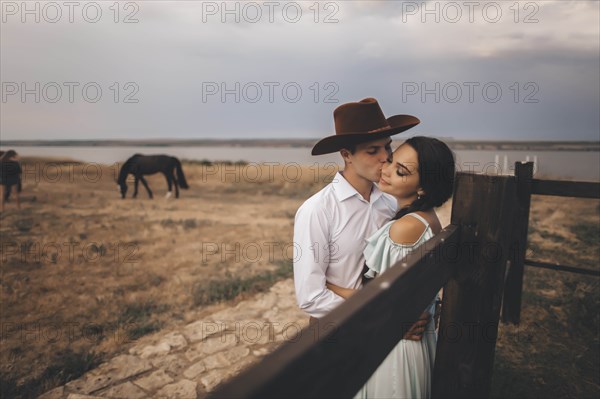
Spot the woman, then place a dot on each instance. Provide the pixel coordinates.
(10, 175)
(420, 176)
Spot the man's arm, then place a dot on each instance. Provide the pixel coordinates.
(311, 261)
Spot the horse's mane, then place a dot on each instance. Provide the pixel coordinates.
(125, 168)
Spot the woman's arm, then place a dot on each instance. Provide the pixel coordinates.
(415, 333)
(341, 291)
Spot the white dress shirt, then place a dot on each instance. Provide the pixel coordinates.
(330, 233)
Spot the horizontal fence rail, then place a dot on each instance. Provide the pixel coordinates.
(563, 188)
(563, 268)
(337, 355)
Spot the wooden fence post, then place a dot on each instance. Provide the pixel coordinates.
(513, 287)
(484, 209)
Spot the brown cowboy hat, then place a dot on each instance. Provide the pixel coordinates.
(361, 122)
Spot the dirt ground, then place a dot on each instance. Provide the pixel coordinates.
(84, 272)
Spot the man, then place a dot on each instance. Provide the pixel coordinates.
(332, 226)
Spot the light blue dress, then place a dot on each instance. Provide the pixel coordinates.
(406, 372)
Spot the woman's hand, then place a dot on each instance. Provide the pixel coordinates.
(341, 291)
(416, 330)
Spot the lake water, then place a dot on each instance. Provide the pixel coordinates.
(567, 165)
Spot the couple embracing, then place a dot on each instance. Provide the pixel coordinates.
(353, 230)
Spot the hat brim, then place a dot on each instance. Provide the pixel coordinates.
(398, 124)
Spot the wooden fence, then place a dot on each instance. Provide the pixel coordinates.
(483, 247)
(528, 186)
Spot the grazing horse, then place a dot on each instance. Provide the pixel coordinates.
(10, 175)
(139, 165)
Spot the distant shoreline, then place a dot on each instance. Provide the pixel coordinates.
(303, 143)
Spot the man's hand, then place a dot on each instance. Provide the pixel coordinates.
(416, 330)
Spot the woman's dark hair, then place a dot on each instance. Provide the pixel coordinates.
(436, 174)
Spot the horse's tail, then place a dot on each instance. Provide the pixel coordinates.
(180, 175)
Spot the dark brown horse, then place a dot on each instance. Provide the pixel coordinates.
(139, 165)
(10, 175)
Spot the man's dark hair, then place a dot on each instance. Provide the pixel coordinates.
(351, 148)
(352, 144)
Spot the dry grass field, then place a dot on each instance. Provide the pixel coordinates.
(84, 273)
(555, 351)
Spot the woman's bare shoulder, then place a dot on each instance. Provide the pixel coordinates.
(406, 230)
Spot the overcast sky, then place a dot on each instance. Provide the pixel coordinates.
(468, 70)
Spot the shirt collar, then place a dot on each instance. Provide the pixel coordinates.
(344, 190)
(376, 193)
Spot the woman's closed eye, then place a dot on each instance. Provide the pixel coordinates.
(403, 170)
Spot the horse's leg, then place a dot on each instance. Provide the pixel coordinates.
(169, 184)
(17, 199)
(176, 185)
(175, 182)
(7, 193)
(1, 197)
(135, 186)
(145, 183)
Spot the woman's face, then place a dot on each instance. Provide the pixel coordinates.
(400, 177)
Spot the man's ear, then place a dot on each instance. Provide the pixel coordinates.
(345, 155)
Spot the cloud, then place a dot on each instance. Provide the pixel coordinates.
(366, 48)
